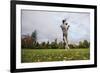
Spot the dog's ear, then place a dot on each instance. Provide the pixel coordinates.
(63, 20)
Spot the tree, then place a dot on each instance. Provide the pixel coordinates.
(43, 45)
(72, 46)
(86, 44)
(34, 36)
(80, 44)
(27, 42)
(54, 44)
(48, 45)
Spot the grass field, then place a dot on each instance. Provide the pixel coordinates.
(45, 55)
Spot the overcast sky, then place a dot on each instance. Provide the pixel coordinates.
(47, 24)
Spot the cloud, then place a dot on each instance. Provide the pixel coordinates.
(48, 24)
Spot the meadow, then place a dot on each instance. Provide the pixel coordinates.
(47, 55)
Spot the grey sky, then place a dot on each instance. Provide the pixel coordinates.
(47, 24)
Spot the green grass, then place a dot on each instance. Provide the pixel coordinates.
(45, 55)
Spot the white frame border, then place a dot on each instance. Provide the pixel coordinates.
(51, 64)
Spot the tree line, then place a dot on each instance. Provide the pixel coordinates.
(30, 42)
